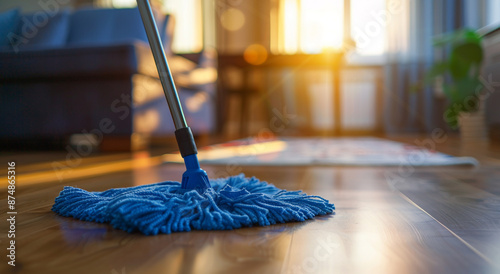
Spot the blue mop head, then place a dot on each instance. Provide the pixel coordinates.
(165, 207)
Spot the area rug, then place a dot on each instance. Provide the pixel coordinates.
(322, 151)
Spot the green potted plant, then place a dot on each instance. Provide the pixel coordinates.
(458, 74)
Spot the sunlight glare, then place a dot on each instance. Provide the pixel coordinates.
(312, 26)
(291, 26)
(321, 25)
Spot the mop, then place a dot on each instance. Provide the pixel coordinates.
(196, 202)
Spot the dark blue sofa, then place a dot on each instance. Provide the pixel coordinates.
(91, 72)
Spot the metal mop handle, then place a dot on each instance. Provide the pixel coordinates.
(161, 64)
(194, 177)
(183, 133)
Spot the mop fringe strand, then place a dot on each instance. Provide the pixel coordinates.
(231, 203)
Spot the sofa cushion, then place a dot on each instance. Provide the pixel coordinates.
(127, 26)
(51, 29)
(91, 27)
(106, 26)
(78, 62)
(115, 26)
(9, 22)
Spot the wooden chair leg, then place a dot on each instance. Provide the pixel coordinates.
(244, 114)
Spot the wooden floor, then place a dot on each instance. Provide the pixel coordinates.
(387, 220)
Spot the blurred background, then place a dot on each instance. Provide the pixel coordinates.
(81, 71)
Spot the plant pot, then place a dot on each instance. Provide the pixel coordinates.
(472, 126)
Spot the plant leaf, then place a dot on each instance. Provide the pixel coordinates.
(463, 57)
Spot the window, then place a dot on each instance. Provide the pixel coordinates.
(188, 35)
(368, 26)
(314, 26)
(308, 26)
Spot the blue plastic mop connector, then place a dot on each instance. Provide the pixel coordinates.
(194, 177)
